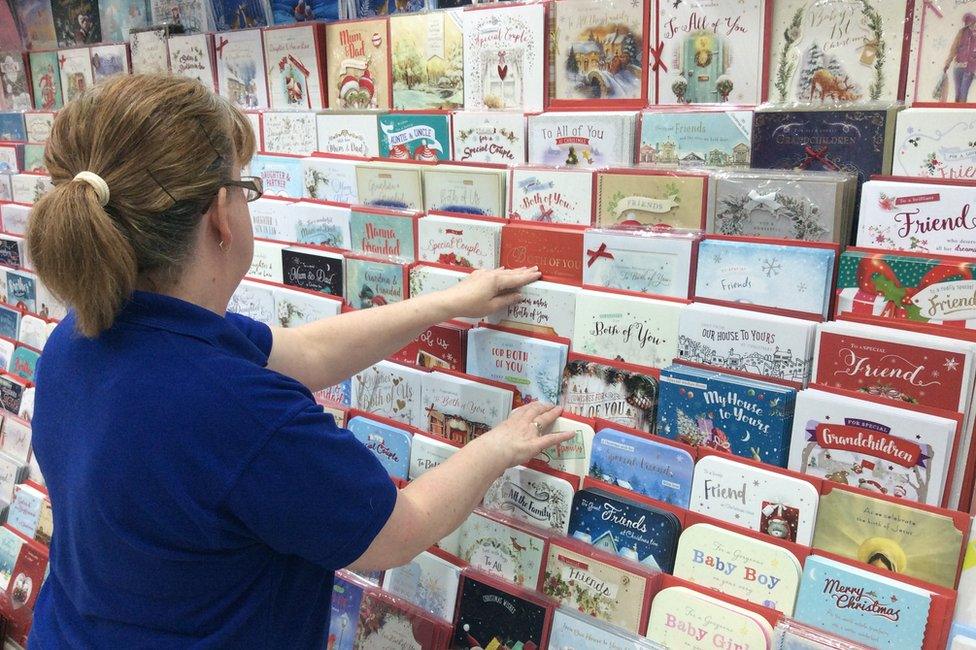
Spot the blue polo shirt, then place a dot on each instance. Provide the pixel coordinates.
(200, 499)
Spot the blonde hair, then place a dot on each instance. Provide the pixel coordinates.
(164, 146)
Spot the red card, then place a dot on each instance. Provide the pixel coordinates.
(442, 346)
(558, 252)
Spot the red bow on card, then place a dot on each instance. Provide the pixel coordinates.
(659, 63)
(820, 155)
(598, 253)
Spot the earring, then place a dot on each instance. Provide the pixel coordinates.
(220, 245)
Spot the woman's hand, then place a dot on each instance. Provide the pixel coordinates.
(485, 292)
(525, 433)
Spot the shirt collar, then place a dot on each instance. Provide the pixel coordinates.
(188, 319)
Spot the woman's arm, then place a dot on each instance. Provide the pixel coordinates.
(328, 351)
(431, 507)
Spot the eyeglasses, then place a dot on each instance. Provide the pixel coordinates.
(252, 186)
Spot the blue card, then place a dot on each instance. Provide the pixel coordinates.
(533, 366)
(717, 138)
(748, 418)
(284, 12)
(645, 466)
(23, 362)
(281, 175)
(797, 278)
(389, 444)
(239, 14)
(12, 127)
(370, 8)
(347, 598)
(22, 290)
(415, 136)
(9, 322)
(631, 530)
(861, 606)
(372, 283)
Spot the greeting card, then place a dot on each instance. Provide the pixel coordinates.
(895, 537)
(295, 78)
(500, 547)
(856, 141)
(638, 532)
(111, 60)
(415, 136)
(281, 175)
(390, 445)
(229, 15)
(10, 545)
(810, 206)
(241, 72)
(330, 179)
(540, 499)
(862, 606)
(459, 242)
(390, 390)
(118, 18)
(288, 11)
(599, 51)
(628, 328)
(632, 197)
(558, 252)
(397, 186)
(756, 273)
(877, 447)
(547, 308)
(762, 344)
(271, 219)
(426, 453)
(491, 137)
(314, 270)
(917, 216)
(658, 263)
(370, 283)
(76, 22)
(28, 189)
(36, 24)
(321, 224)
(464, 190)
(191, 55)
(384, 233)
(748, 418)
(12, 129)
(461, 409)
(709, 52)
(9, 327)
(289, 132)
(348, 134)
(46, 81)
(149, 51)
(937, 66)
(22, 291)
(571, 456)
(966, 604)
(775, 504)
(347, 599)
(23, 363)
(592, 139)
(682, 619)
(358, 64)
(624, 395)
(534, 366)
(34, 331)
(492, 614)
(428, 581)
(6, 192)
(654, 469)
(193, 15)
(504, 58)
(428, 65)
(368, 8)
(734, 564)
(296, 307)
(598, 584)
(14, 87)
(903, 286)
(843, 51)
(551, 195)
(439, 346)
(683, 137)
(428, 279)
(387, 622)
(573, 630)
(266, 261)
(255, 301)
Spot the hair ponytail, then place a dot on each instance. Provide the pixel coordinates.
(164, 146)
(88, 263)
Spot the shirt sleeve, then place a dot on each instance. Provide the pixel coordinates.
(314, 491)
(256, 332)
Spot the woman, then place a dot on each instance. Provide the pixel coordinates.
(963, 52)
(200, 496)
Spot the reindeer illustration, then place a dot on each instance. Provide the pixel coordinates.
(831, 86)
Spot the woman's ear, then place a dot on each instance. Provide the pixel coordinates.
(218, 220)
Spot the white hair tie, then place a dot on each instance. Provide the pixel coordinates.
(98, 183)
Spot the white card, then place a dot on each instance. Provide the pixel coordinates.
(391, 390)
(348, 134)
(533, 497)
(291, 132)
(545, 308)
(459, 242)
(552, 195)
(490, 137)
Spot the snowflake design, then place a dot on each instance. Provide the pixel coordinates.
(801, 288)
(950, 365)
(771, 267)
(717, 259)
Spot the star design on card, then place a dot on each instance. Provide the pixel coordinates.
(951, 365)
